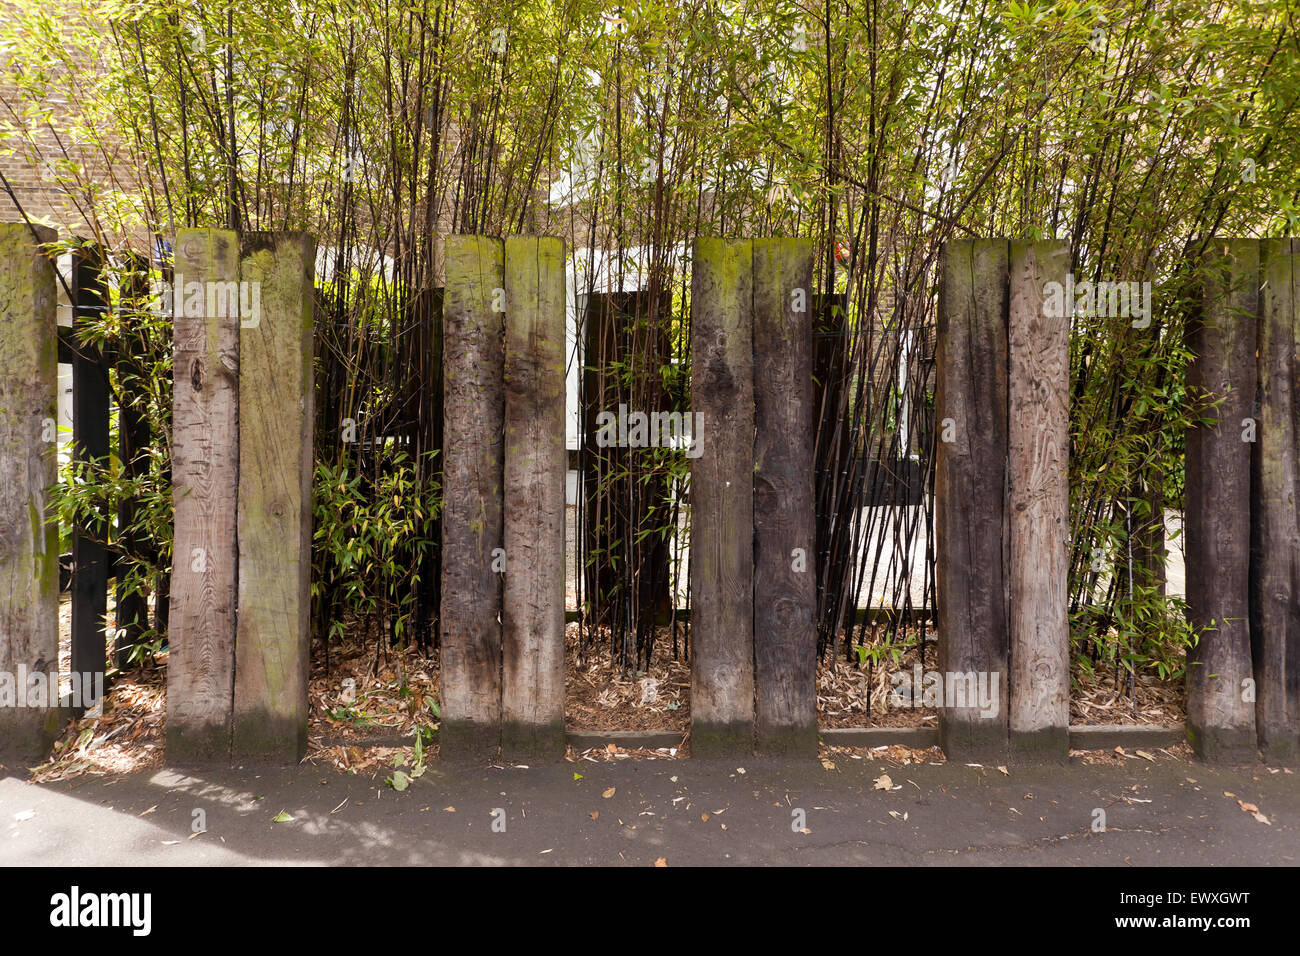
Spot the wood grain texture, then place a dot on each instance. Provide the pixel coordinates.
(205, 469)
(29, 547)
(473, 473)
(535, 463)
(1275, 538)
(722, 499)
(785, 585)
(1217, 520)
(276, 420)
(1038, 511)
(1221, 336)
(970, 489)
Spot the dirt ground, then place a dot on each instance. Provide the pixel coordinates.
(365, 710)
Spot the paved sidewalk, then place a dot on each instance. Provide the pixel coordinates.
(1163, 813)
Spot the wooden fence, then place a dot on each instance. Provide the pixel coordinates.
(1243, 546)
(29, 556)
(503, 554)
(1001, 509)
(242, 465)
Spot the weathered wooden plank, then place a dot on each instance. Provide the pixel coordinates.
(29, 547)
(90, 403)
(1275, 538)
(1038, 501)
(472, 536)
(969, 489)
(785, 567)
(1038, 507)
(205, 470)
(722, 499)
(535, 460)
(276, 418)
(1222, 337)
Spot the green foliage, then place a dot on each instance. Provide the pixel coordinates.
(138, 539)
(365, 529)
(1138, 133)
(885, 653)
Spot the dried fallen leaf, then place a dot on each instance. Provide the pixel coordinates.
(828, 764)
(704, 818)
(593, 814)
(449, 809)
(1254, 812)
(662, 861)
(609, 793)
(1145, 755)
(883, 782)
(1003, 771)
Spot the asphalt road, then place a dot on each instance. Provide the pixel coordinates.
(685, 812)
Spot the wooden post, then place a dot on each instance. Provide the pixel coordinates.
(969, 496)
(1222, 337)
(90, 402)
(535, 461)
(205, 469)
(785, 565)
(722, 499)
(29, 547)
(1038, 509)
(276, 418)
(473, 556)
(1275, 539)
